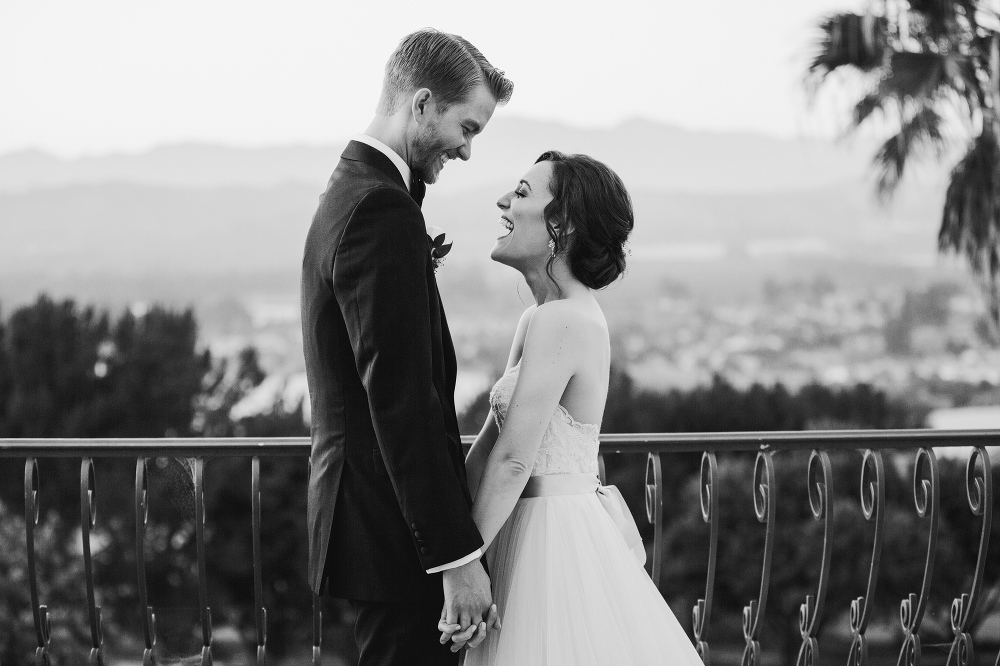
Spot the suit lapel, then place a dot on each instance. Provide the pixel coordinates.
(362, 152)
(445, 365)
(443, 349)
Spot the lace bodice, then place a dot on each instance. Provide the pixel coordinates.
(568, 446)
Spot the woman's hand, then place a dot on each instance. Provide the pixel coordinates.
(473, 636)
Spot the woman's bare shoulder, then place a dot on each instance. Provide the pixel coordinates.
(566, 322)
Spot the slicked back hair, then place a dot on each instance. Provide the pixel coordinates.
(448, 65)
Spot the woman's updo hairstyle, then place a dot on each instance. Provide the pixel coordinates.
(593, 200)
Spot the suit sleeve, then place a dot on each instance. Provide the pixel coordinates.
(380, 281)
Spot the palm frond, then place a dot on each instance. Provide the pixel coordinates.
(940, 18)
(859, 41)
(970, 221)
(921, 79)
(869, 104)
(921, 130)
(923, 75)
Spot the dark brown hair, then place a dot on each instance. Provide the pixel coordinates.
(448, 65)
(590, 217)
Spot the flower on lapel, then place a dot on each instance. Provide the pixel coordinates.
(439, 247)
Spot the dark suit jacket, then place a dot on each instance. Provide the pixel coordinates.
(388, 497)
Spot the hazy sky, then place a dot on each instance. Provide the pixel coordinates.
(93, 77)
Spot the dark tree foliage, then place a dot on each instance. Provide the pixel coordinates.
(224, 386)
(73, 373)
(61, 588)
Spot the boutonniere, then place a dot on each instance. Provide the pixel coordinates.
(439, 246)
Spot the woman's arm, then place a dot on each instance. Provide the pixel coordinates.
(475, 462)
(548, 362)
(517, 346)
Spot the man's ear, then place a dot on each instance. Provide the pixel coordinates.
(422, 105)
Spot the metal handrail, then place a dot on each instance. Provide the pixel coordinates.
(692, 442)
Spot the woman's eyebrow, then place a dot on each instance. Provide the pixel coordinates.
(525, 183)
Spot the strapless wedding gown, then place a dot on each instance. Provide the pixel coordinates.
(569, 589)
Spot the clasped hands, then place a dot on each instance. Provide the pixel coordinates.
(469, 611)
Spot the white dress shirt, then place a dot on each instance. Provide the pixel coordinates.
(404, 171)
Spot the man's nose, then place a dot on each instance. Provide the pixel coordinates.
(465, 151)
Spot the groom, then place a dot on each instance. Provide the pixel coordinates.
(390, 527)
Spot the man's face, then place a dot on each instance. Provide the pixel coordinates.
(448, 135)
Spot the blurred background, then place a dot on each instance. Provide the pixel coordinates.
(160, 165)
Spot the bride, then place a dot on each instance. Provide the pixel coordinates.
(565, 578)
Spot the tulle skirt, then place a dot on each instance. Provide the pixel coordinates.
(570, 592)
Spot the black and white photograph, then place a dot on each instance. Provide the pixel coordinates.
(559, 333)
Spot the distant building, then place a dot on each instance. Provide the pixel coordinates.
(966, 418)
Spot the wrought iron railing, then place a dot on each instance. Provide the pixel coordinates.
(926, 488)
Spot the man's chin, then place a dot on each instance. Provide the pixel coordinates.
(429, 173)
(431, 176)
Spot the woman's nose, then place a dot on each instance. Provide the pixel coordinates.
(503, 203)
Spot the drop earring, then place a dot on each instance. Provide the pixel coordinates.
(552, 247)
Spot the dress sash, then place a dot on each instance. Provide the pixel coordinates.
(554, 485)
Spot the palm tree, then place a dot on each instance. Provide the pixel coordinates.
(927, 66)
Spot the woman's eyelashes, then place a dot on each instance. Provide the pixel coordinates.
(519, 193)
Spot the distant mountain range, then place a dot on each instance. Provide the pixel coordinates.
(194, 209)
(647, 155)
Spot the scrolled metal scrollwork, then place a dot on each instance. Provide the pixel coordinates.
(40, 613)
(709, 492)
(979, 491)
(764, 503)
(873, 508)
(88, 520)
(199, 527)
(654, 511)
(141, 520)
(818, 480)
(926, 497)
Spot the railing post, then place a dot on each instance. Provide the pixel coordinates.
(317, 631)
(141, 520)
(873, 506)
(39, 613)
(88, 519)
(702, 611)
(260, 613)
(927, 500)
(764, 502)
(654, 511)
(199, 525)
(979, 491)
(811, 612)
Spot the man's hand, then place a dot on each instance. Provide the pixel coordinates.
(468, 602)
(473, 635)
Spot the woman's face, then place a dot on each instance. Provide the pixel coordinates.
(524, 244)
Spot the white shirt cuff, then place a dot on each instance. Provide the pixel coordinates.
(457, 563)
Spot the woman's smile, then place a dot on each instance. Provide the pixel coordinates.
(506, 224)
